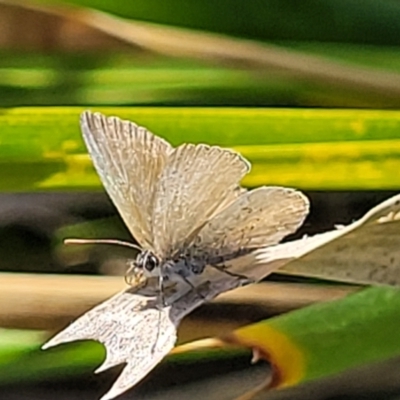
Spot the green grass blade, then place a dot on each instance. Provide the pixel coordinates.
(321, 340)
(326, 339)
(41, 148)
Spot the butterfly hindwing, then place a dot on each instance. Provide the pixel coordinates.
(258, 218)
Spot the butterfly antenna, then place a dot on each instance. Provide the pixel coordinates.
(103, 241)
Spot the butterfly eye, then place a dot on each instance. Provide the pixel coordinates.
(151, 262)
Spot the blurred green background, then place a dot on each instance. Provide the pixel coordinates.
(307, 91)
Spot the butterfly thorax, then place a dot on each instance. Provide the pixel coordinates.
(183, 267)
(174, 269)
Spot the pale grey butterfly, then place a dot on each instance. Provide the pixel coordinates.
(192, 220)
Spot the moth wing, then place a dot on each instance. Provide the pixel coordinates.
(129, 160)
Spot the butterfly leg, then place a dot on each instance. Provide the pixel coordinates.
(182, 269)
(223, 269)
(134, 275)
(193, 287)
(161, 290)
(160, 306)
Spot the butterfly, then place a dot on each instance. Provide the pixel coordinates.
(184, 205)
(192, 220)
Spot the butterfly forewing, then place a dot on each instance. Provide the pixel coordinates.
(129, 160)
(259, 218)
(197, 182)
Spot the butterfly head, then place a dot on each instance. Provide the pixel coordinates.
(148, 263)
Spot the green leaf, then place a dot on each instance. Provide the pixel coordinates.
(15, 342)
(335, 336)
(41, 148)
(321, 340)
(117, 79)
(29, 363)
(22, 360)
(333, 20)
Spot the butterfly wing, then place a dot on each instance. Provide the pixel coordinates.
(129, 160)
(135, 330)
(258, 218)
(197, 182)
